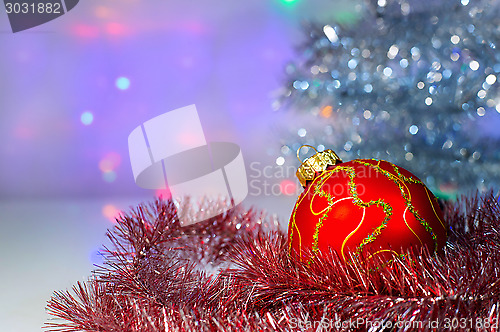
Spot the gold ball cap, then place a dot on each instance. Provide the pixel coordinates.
(316, 163)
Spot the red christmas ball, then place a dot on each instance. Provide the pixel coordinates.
(365, 206)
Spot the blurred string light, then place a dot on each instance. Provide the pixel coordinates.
(431, 67)
(87, 118)
(122, 83)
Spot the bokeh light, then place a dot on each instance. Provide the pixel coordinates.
(110, 212)
(85, 31)
(491, 79)
(109, 176)
(330, 33)
(474, 65)
(108, 165)
(115, 29)
(288, 187)
(87, 118)
(110, 161)
(102, 12)
(326, 111)
(413, 129)
(122, 83)
(24, 132)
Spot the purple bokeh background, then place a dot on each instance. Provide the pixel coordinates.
(223, 56)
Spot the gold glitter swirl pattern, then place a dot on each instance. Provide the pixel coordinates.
(356, 200)
(404, 178)
(407, 199)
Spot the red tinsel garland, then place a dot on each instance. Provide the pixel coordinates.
(159, 276)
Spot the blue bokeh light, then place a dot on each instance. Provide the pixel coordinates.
(87, 118)
(109, 176)
(122, 83)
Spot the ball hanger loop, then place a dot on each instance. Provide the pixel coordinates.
(305, 145)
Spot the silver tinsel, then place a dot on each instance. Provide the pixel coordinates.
(411, 83)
